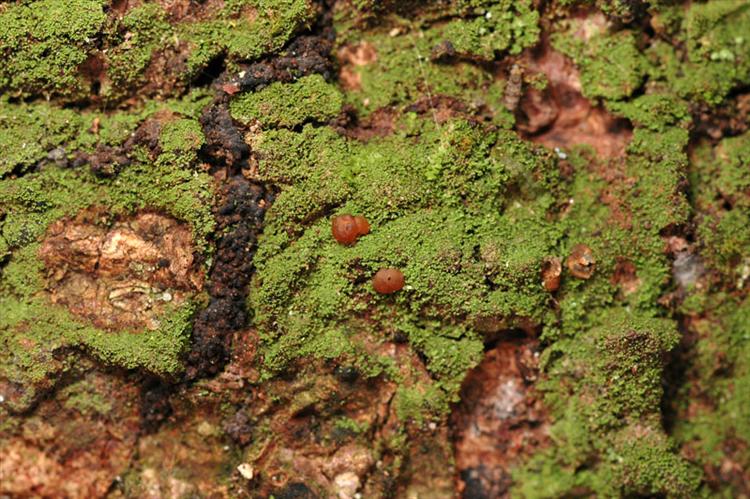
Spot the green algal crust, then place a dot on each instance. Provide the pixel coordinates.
(622, 9)
(652, 466)
(625, 231)
(36, 200)
(279, 105)
(29, 131)
(615, 372)
(44, 42)
(403, 74)
(470, 246)
(727, 332)
(655, 111)
(469, 213)
(86, 397)
(712, 404)
(31, 328)
(345, 427)
(170, 183)
(181, 135)
(718, 48)
(245, 30)
(611, 65)
(624, 368)
(703, 54)
(604, 363)
(81, 49)
(505, 26)
(145, 29)
(720, 179)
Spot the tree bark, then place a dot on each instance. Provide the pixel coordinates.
(360, 249)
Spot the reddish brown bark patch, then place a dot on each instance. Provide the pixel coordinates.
(69, 449)
(441, 108)
(379, 123)
(728, 119)
(500, 420)
(120, 276)
(351, 56)
(185, 458)
(625, 276)
(166, 71)
(560, 116)
(551, 273)
(304, 448)
(189, 10)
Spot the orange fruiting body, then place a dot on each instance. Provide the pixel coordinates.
(387, 281)
(346, 228)
(551, 272)
(363, 226)
(581, 262)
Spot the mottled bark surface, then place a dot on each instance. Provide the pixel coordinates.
(563, 186)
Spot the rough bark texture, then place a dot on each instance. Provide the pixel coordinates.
(564, 186)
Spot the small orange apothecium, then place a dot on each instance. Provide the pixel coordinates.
(363, 226)
(346, 228)
(387, 281)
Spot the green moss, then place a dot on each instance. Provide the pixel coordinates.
(614, 373)
(470, 245)
(467, 211)
(704, 57)
(712, 429)
(403, 74)
(547, 481)
(285, 155)
(345, 430)
(624, 367)
(503, 27)
(32, 328)
(710, 54)
(720, 181)
(4, 248)
(289, 105)
(450, 353)
(44, 42)
(622, 351)
(181, 135)
(184, 194)
(146, 29)
(419, 403)
(726, 241)
(717, 46)
(29, 131)
(650, 466)
(30, 319)
(655, 111)
(60, 48)
(36, 200)
(611, 65)
(85, 398)
(245, 30)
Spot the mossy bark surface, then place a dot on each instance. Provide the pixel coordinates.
(564, 185)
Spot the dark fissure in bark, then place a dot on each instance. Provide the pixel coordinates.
(240, 218)
(242, 203)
